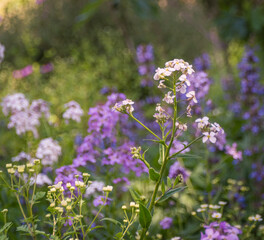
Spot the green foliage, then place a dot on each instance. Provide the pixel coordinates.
(145, 217)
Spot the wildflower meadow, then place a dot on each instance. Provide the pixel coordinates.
(131, 120)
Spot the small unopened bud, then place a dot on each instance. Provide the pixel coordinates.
(52, 204)
(36, 161)
(63, 203)
(132, 204)
(53, 190)
(9, 165)
(29, 165)
(86, 175)
(124, 207)
(68, 208)
(4, 211)
(108, 188)
(11, 171)
(68, 185)
(48, 215)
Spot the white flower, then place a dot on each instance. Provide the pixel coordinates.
(48, 151)
(204, 206)
(191, 96)
(159, 74)
(180, 126)
(189, 69)
(222, 203)
(181, 88)
(73, 111)
(200, 210)
(216, 215)
(95, 186)
(202, 122)
(124, 107)
(214, 206)
(183, 78)
(40, 107)
(14, 103)
(21, 156)
(215, 127)
(210, 136)
(176, 238)
(24, 121)
(168, 98)
(256, 218)
(161, 84)
(42, 179)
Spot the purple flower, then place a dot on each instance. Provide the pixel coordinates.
(176, 169)
(202, 63)
(66, 174)
(49, 66)
(100, 201)
(166, 223)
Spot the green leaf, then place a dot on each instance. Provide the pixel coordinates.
(168, 182)
(6, 227)
(169, 193)
(160, 154)
(188, 156)
(112, 220)
(153, 175)
(145, 217)
(119, 235)
(39, 195)
(3, 237)
(23, 228)
(163, 187)
(135, 195)
(89, 10)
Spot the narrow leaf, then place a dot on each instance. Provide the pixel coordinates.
(169, 193)
(145, 217)
(153, 175)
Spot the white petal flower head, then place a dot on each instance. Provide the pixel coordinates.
(216, 215)
(181, 88)
(191, 96)
(183, 78)
(209, 136)
(202, 122)
(124, 107)
(159, 74)
(168, 98)
(178, 64)
(188, 69)
(161, 84)
(215, 127)
(168, 71)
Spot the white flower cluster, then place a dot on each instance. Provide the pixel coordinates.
(210, 130)
(24, 117)
(2, 52)
(73, 111)
(180, 82)
(14, 103)
(42, 179)
(256, 218)
(160, 116)
(93, 187)
(21, 156)
(126, 106)
(48, 151)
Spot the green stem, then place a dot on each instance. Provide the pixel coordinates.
(145, 127)
(192, 142)
(87, 231)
